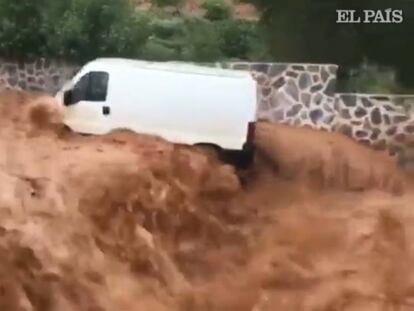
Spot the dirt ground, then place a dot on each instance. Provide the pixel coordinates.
(133, 222)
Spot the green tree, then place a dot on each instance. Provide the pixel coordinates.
(158, 50)
(91, 28)
(202, 43)
(81, 30)
(167, 2)
(236, 38)
(306, 31)
(216, 10)
(373, 79)
(22, 31)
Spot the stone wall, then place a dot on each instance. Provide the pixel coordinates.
(39, 75)
(296, 94)
(382, 121)
(304, 94)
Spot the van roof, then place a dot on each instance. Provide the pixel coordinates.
(167, 66)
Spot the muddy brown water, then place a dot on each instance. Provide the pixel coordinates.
(132, 222)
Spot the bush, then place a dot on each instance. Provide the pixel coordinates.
(236, 37)
(167, 28)
(77, 29)
(201, 43)
(22, 31)
(167, 2)
(216, 10)
(373, 79)
(191, 39)
(81, 30)
(92, 28)
(128, 37)
(156, 51)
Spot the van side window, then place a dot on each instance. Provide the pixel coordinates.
(80, 89)
(91, 87)
(98, 87)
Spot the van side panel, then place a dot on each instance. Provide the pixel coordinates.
(183, 107)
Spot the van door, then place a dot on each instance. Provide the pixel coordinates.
(87, 110)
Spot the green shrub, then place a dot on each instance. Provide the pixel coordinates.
(81, 30)
(167, 28)
(216, 10)
(22, 31)
(235, 37)
(92, 28)
(156, 51)
(166, 2)
(202, 43)
(127, 37)
(373, 79)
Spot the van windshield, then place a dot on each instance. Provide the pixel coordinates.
(93, 86)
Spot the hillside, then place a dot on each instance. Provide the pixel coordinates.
(238, 9)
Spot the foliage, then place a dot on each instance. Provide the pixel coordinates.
(307, 31)
(99, 27)
(77, 29)
(197, 39)
(157, 51)
(216, 10)
(21, 27)
(236, 38)
(167, 28)
(166, 2)
(372, 79)
(201, 43)
(81, 30)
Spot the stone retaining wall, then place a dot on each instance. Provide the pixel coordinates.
(296, 94)
(382, 121)
(39, 75)
(304, 94)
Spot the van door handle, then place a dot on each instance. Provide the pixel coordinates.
(106, 110)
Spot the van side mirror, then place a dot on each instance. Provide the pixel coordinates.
(67, 98)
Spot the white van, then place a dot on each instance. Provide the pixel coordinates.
(187, 104)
